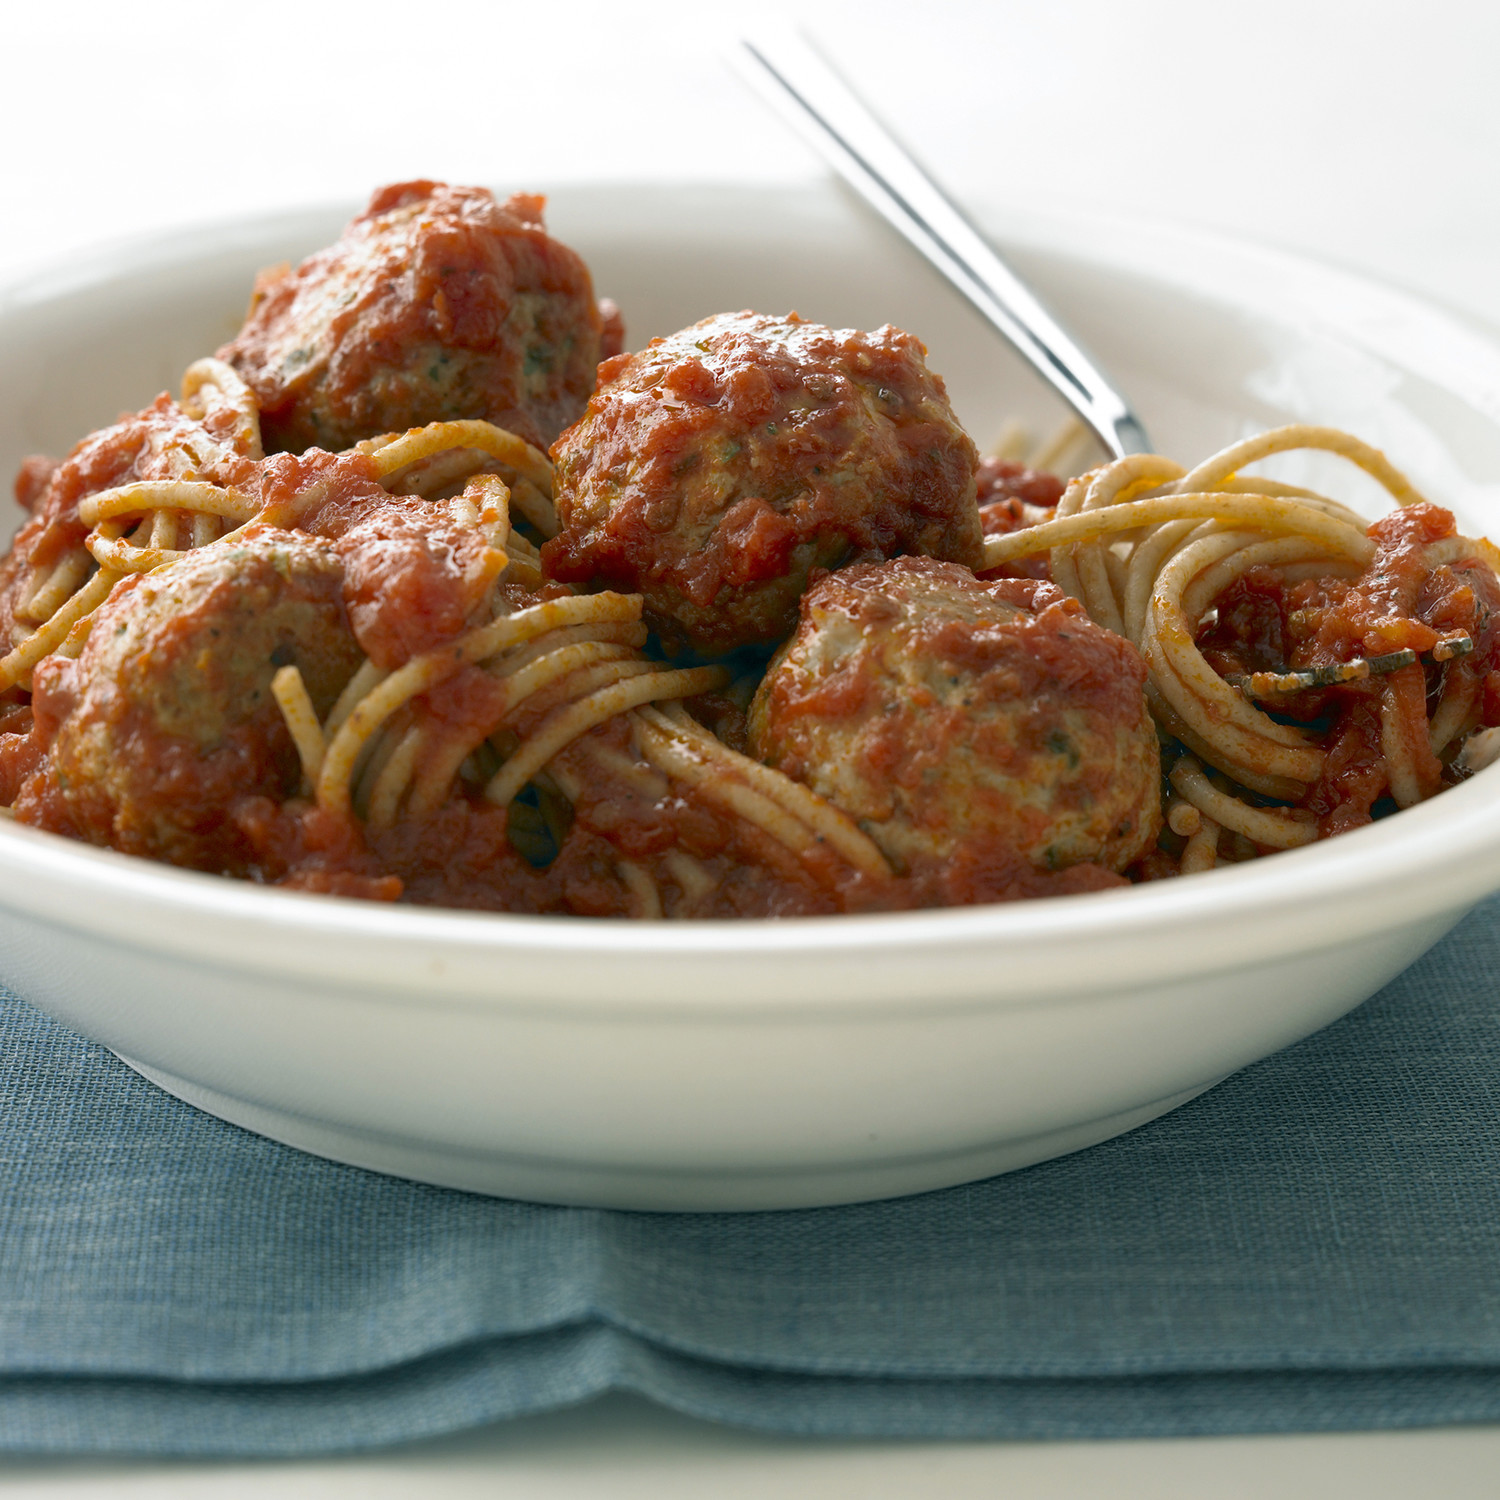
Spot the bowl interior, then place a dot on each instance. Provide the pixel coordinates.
(1211, 341)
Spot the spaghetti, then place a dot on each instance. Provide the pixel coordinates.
(429, 666)
(1154, 551)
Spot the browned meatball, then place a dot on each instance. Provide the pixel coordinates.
(167, 718)
(949, 715)
(714, 470)
(437, 304)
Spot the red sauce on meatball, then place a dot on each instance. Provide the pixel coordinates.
(437, 304)
(716, 469)
(969, 726)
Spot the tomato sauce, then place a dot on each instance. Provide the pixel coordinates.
(1397, 602)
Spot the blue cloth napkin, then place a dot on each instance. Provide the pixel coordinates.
(1314, 1244)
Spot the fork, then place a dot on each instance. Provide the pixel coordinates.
(805, 91)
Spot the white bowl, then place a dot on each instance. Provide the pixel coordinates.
(764, 1065)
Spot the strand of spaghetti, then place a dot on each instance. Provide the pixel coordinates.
(217, 376)
(356, 688)
(1252, 759)
(1456, 714)
(1243, 484)
(1134, 477)
(288, 512)
(1207, 721)
(829, 823)
(637, 880)
(537, 619)
(1169, 630)
(166, 494)
(426, 671)
(1260, 511)
(375, 754)
(1323, 568)
(1413, 771)
(205, 529)
(57, 587)
(1228, 461)
(490, 496)
(1213, 580)
(434, 778)
(72, 644)
(528, 558)
(524, 560)
(690, 764)
(341, 763)
(1096, 586)
(524, 546)
(427, 476)
(1101, 572)
(552, 699)
(18, 663)
(1013, 443)
(1269, 784)
(164, 530)
(1182, 817)
(1146, 559)
(633, 633)
(465, 509)
(1202, 852)
(291, 695)
(36, 578)
(1069, 435)
(441, 763)
(1210, 547)
(695, 882)
(1261, 825)
(557, 666)
(439, 437)
(395, 775)
(1117, 572)
(110, 550)
(1454, 549)
(1167, 618)
(569, 783)
(1061, 562)
(567, 723)
(642, 777)
(521, 569)
(1122, 480)
(536, 507)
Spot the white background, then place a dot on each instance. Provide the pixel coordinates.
(1363, 133)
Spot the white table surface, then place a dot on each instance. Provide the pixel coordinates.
(1367, 134)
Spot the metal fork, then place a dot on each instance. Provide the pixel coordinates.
(802, 88)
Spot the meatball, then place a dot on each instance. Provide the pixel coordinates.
(167, 717)
(159, 442)
(717, 468)
(952, 716)
(437, 304)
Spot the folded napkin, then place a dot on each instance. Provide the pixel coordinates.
(1313, 1244)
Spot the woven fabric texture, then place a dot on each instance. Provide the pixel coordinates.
(1313, 1244)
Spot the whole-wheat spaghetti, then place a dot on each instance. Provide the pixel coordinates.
(537, 709)
(1150, 548)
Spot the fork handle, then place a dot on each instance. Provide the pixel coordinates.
(802, 88)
